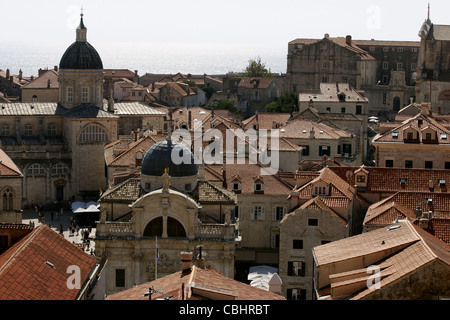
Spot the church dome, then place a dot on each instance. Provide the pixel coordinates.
(159, 157)
(81, 54)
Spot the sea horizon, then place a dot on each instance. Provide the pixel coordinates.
(147, 57)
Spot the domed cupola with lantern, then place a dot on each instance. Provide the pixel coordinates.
(81, 73)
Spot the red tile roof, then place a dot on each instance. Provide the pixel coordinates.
(7, 166)
(209, 279)
(26, 271)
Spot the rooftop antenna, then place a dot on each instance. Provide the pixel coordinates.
(428, 11)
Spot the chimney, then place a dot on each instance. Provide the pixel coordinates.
(7, 74)
(189, 117)
(224, 177)
(111, 102)
(186, 259)
(20, 74)
(55, 68)
(275, 284)
(418, 212)
(312, 133)
(200, 260)
(348, 40)
(327, 36)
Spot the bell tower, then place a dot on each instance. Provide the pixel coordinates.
(81, 73)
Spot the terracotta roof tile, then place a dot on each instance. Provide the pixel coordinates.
(172, 284)
(25, 275)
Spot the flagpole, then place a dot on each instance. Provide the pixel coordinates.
(156, 258)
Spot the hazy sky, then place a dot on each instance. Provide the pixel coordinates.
(267, 22)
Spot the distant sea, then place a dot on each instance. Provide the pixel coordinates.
(158, 58)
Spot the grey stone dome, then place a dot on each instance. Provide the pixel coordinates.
(159, 157)
(81, 55)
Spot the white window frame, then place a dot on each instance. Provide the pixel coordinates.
(276, 214)
(69, 94)
(84, 95)
(258, 213)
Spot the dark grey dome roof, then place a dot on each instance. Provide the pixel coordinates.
(81, 55)
(159, 157)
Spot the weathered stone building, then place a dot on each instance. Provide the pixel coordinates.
(433, 67)
(339, 106)
(384, 70)
(59, 146)
(175, 213)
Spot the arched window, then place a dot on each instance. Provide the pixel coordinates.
(34, 98)
(60, 169)
(36, 169)
(175, 229)
(93, 133)
(7, 199)
(154, 228)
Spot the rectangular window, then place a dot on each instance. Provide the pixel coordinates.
(361, 179)
(428, 164)
(324, 65)
(324, 79)
(358, 109)
(296, 268)
(389, 163)
(400, 49)
(324, 151)
(384, 98)
(342, 110)
(69, 94)
(385, 65)
(296, 294)
(120, 278)
(279, 213)
(5, 130)
(447, 165)
(51, 130)
(399, 66)
(257, 213)
(409, 164)
(84, 95)
(413, 66)
(297, 244)
(28, 130)
(305, 151)
(313, 222)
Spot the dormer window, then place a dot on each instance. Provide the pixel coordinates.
(258, 187)
(403, 181)
(236, 186)
(395, 134)
(442, 182)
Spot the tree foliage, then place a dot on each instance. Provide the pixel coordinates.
(256, 68)
(286, 103)
(226, 105)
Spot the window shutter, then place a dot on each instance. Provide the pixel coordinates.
(263, 215)
(252, 214)
(274, 213)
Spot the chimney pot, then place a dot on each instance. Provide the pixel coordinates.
(186, 259)
(348, 40)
